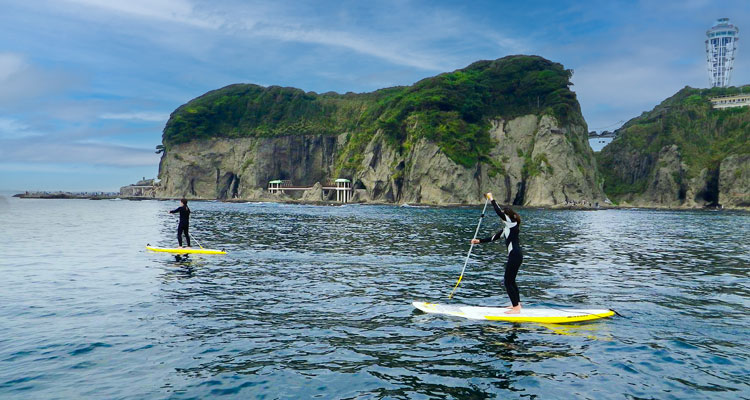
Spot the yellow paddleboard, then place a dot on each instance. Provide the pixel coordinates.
(542, 315)
(185, 250)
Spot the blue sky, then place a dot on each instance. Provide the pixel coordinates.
(86, 86)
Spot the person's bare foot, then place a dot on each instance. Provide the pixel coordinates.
(514, 310)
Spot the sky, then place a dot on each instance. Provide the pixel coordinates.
(86, 86)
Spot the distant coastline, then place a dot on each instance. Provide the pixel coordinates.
(578, 207)
(69, 195)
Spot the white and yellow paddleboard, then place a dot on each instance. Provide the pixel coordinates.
(542, 315)
(184, 250)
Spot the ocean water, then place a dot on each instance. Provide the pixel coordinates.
(314, 302)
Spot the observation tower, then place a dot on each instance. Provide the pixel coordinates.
(721, 46)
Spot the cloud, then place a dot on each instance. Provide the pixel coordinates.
(42, 167)
(636, 63)
(13, 129)
(404, 46)
(137, 116)
(176, 11)
(141, 55)
(10, 64)
(391, 52)
(628, 82)
(65, 152)
(20, 80)
(434, 41)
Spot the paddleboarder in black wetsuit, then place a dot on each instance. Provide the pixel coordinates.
(512, 222)
(184, 221)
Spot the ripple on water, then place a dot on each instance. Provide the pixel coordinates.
(315, 301)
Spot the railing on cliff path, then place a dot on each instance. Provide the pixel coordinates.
(343, 188)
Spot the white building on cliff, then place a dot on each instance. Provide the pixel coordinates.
(721, 47)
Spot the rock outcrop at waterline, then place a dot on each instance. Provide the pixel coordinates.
(734, 181)
(223, 168)
(510, 126)
(681, 154)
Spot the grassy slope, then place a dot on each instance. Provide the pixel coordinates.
(452, 109)
(703, 135)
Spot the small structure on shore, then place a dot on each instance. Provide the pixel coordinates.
(343, 190)
(277, 185)
(731, 101)
(143, 188)
(342, 186)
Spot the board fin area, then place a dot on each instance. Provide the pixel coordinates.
(528, 314)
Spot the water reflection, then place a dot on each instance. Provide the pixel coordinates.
(180, 266)
(324, 292)
(316, 301)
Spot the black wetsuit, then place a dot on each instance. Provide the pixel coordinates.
(184, 224)
(515, 255)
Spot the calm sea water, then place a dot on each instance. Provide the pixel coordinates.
(315, 302)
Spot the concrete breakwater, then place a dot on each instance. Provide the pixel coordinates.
(77, 195)
(67, 195)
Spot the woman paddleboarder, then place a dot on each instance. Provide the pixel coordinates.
(512, 222)
(184, 224)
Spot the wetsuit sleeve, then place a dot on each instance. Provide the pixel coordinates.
(499, 212)
(502, 216)
(492, 238)
(176, 210)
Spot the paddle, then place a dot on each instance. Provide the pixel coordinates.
(193, 237)
(470, 247)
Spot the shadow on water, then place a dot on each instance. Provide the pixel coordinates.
(183, 265)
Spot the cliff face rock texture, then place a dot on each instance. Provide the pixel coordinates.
(241, 168)
(664, 184)
(509, 126)
(681, 154)
(533, 163)
(734, 181)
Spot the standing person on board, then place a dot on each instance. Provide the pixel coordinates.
(184, 224)
(512, 222)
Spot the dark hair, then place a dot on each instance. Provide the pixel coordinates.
(183, 201)
(512, 215)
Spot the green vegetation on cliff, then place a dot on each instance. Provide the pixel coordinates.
(704, 136)
(452, 110)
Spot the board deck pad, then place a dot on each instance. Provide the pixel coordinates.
(530, 314)
(185, 250)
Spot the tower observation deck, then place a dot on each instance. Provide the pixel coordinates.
(721, 46)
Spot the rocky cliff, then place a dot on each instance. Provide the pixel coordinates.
(681, 154)
(510, 126)
(734, 181)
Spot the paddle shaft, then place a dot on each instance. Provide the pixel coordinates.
(481, 217)
(193, 237)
